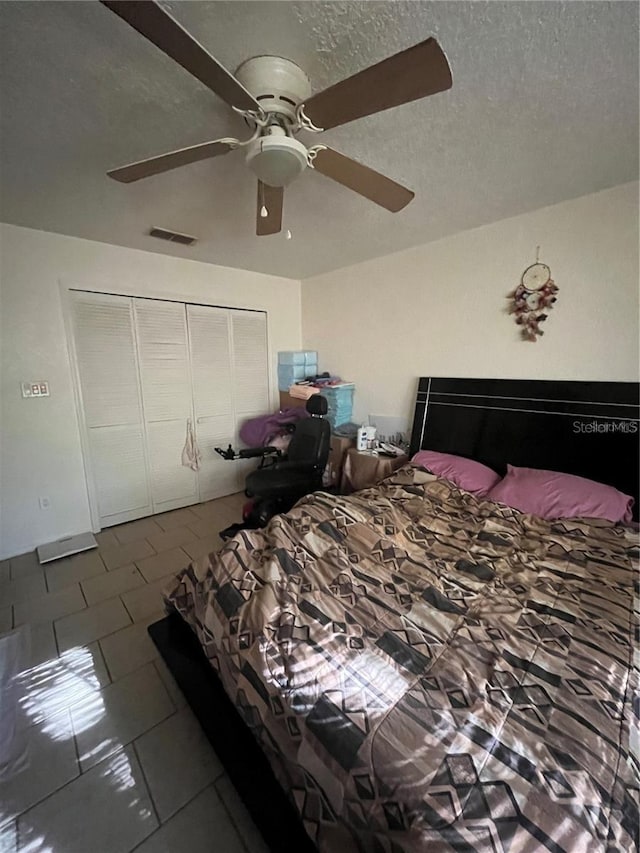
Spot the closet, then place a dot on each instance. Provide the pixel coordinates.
(146, 367)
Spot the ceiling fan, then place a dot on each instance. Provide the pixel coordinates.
(273, 95)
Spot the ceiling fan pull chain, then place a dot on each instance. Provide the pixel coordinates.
(264, 213)
(304, 122)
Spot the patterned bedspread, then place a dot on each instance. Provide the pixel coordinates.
(427, 671)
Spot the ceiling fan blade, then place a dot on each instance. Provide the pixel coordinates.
(271, 198)
(166, 162)
(157, 25)
(414, 73)
(363, 180)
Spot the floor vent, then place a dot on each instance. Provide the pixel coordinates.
(173, 236)
(66, 547)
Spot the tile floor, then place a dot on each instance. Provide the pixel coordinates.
(113, 759)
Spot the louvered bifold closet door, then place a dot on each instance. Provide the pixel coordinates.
(106, 358)
(250, 373)
(210, 347)
(165, 377)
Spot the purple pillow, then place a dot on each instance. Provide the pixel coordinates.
(464, 473)
(550, 494)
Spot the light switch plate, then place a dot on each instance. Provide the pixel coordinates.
(35, 389)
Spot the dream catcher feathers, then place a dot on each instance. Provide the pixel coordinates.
(534, 296)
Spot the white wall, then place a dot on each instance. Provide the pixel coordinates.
(39, 440)
(439, 309)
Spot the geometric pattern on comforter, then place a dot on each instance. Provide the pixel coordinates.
(427, 671)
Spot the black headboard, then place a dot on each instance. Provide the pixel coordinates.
(587, 428)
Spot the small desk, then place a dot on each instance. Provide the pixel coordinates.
(363, 468)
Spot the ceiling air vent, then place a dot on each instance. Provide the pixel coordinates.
(173, 236)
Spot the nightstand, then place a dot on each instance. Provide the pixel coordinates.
(363, 468)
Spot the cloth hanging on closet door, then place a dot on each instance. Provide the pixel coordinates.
(191, 455)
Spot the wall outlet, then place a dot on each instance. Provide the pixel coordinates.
(44, 502)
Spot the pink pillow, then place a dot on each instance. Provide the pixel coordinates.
(464, 473)
(550, 494)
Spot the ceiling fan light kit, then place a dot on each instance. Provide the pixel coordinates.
(275, 158)
(273, 95)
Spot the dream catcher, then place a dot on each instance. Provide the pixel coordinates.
(535, 295)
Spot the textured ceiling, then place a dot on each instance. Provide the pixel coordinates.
(544, 107)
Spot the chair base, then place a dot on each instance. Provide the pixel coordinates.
(260, 514)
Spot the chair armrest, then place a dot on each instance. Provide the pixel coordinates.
(251, 452)
(247, 452)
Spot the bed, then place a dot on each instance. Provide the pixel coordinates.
(422, 669)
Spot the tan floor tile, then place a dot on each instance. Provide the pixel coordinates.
(91, 624)
(214, 523)
(173, 538)
(70, 570)
(202, 547)
(178, 762)
(194, 827)
(25, 564)
(52, 763)
(202, 510)
(9, 836)
(135, 530)
(56, 684)
(23, 588)
(121, 555)
(128, 708)
(236, 501)
(169, 682)
(6, 623)
(175, 518)
(130, 648)
(163, 564)
(48, 608)
(215, 508)
(42, 648)
(147, 599)
(107, 538)
(205, 526)
(110, 584)
(106, 810)
(240, 816)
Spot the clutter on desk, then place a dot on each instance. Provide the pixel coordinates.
(298, 378)
(303, 391)
(296, 366)
(391, 450)
(339, 407)
(347, 430)
(339, 401)
(392, 429)
(366, 438)
(299, 357)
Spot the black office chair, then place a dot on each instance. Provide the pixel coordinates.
(280, 481)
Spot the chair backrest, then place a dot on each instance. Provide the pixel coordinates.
(311, 443)
(317, 405)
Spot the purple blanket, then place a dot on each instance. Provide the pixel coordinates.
(258, 432)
